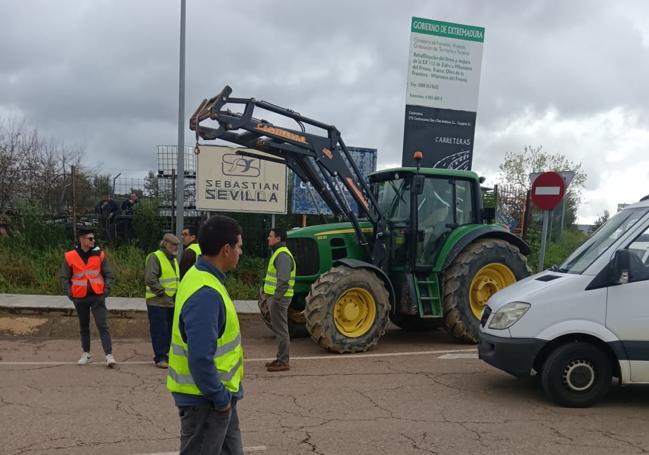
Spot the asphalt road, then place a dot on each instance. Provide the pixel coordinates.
(416, 393)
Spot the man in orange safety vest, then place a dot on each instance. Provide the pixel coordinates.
(86, 280)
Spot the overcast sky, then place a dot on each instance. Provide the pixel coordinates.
(102, 76)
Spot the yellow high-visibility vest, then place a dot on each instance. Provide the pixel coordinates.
(168, 275)
(196, 248)
(228, 359)
(270, 282)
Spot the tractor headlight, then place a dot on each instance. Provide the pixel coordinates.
(508, 314)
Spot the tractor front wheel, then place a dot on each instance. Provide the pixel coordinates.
(482, 269)
(347, 309)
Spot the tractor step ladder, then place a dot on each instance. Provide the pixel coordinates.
(428, 296)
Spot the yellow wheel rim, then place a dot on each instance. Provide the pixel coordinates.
(355, 312)
(490, 279)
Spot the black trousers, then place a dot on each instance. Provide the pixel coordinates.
(96, 304)
(206, 431)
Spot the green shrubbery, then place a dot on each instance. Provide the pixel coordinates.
(30, 260)
(557, 251)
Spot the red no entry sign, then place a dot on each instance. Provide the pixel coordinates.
(548, 190)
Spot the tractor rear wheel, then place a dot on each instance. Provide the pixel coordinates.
(347, 309)
(296, 327)
(482, 269)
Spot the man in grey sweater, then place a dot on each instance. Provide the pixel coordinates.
(278, 289)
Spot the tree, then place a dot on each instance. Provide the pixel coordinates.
(151, 185)
(601, 220)
(31, 170)
(517, 167)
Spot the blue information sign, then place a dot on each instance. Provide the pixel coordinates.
(304, 195)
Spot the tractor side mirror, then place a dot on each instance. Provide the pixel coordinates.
(418, 182)
(488, 214)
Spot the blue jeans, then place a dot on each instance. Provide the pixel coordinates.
(160, 321)
(204, 430)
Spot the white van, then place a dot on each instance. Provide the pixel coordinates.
(583, 323)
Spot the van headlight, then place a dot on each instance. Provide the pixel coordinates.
(508, 314)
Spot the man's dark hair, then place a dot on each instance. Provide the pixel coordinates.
(191, 229)
(84, 231)
(279, 232)
(216, 232)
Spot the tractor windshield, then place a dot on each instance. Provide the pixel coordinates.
(394, 199)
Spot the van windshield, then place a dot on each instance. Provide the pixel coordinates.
(601, 240)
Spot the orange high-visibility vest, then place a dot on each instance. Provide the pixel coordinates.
(83, 273)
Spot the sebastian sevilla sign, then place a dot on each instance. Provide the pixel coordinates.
(227, 181)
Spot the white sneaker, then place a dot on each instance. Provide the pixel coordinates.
(110, 361)
(85, 359)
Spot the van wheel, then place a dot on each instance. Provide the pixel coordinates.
(576, 375)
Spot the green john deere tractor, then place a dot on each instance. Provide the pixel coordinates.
(415, 250)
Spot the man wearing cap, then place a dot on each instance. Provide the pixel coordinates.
(161, 280)
(86, 280)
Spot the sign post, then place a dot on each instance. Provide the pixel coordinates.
(547, 192)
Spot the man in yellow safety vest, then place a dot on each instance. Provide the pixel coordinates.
(161, 279)
(192, 249)
(278, 291)
(206, 357)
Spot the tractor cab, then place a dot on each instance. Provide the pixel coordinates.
(422, 208)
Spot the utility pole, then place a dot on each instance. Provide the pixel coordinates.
(73, 176)
(180, 152)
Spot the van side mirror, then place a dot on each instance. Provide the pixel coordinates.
(625, 267)
(619, 267)
(628, 267)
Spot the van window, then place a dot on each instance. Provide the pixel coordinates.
(601, 240)
(639, 258)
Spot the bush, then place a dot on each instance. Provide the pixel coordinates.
(147, 225)
(127, 265)
(35, 232)
(556, 252)
(30, 260)
(25, 270)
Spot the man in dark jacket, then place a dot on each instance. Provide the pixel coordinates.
(86, 280)
(128, 205)
(192, 249)
(106, 210)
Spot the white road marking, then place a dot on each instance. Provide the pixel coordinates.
(245, 449)
(463, 355)
(547, 190)
(358, 356)
(471, 351)
(99, 363)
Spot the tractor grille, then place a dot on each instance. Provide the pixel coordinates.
(307, 258)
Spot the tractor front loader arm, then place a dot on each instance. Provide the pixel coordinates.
(322, 160)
